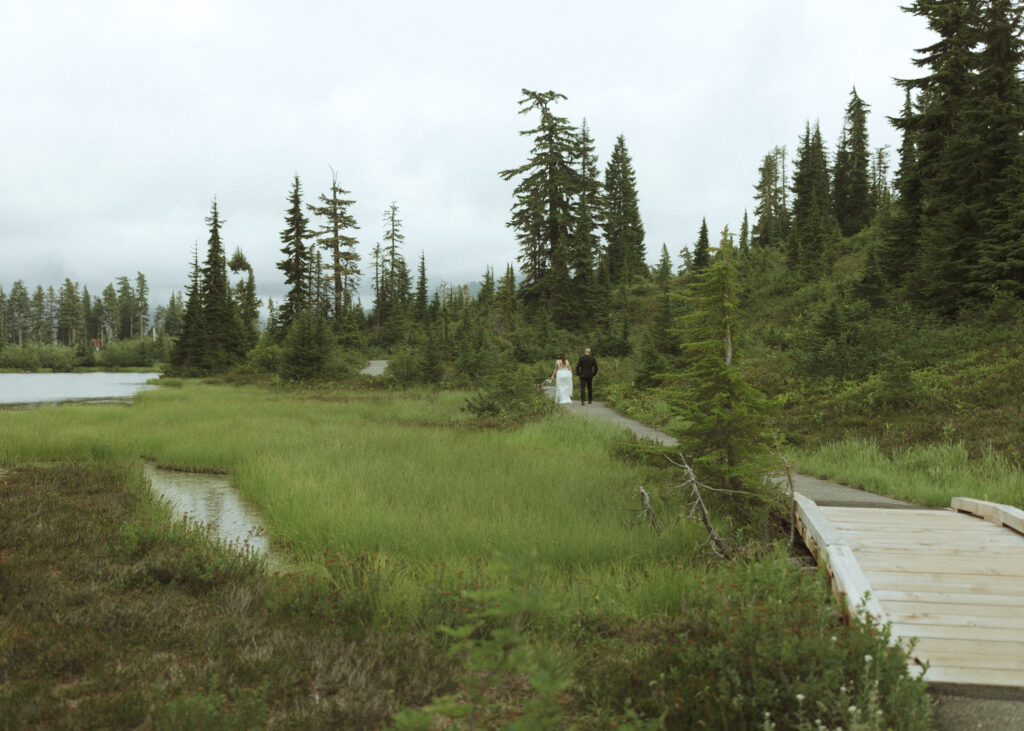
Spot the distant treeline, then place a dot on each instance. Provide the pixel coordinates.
(71, 316)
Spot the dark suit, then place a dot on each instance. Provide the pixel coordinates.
(586, 369)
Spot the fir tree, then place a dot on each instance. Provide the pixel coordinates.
(702, 249)
(723, 424)
(663, 272)
(623, 229)
(420, 302)
(770, 212)
(851, 179)
(186, 355)
(814, 225)
(898, 254)
(999, 120)
(222, 339)
(342, 258)
(297, 260)
(745, 234)
(543, 214)
(947, 153)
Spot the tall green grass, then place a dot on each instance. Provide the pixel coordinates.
(926, 475)
(402, 477)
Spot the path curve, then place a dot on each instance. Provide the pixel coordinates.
(375, 368)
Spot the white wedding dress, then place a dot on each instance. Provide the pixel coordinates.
(563, 385)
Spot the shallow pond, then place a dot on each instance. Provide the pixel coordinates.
(213, 500)
(38, 388)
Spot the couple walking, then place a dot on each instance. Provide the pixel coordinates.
(586, 369)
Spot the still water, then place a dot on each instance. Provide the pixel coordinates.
(38, 388)
(211, 499)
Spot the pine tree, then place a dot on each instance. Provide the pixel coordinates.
(585, 245)
(125, 309)
(623, 229)
(297, 261)
(702, 249)
(342, 258)
(851, 179)
(543, 214)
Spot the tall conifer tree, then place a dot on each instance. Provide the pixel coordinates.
(544, 212)
(297, 260)
(623, 229)
(851, 178)
(342, 258)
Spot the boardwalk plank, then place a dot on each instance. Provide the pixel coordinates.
(952, 632)
(953, 581)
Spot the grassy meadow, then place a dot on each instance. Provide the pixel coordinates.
(404, 517)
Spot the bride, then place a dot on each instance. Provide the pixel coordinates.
(562, 376)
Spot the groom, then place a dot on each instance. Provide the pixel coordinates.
(586, 369)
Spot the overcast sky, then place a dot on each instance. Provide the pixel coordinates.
(123, 120)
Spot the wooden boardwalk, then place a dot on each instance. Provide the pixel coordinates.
(953, 580)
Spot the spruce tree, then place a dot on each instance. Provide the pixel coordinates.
(722, 431)
(769, 211)
(19, 309)
(898, 254)
(585, 244)
(222, 341)
(851, 178)
(623, 229)
(947, 153)
(702, 249)
(999, 120)
(814, 225)
(744, 234)
(420, 299)
(69, 314)
(297, 260)
(125, 309)
(187, 352)
(663, 272)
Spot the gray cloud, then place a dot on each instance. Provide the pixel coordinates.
(124, 119)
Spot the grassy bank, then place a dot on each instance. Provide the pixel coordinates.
(406, 518)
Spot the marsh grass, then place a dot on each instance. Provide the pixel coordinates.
(404, 517)
(925, 475)
(111, 616)
(400, 476)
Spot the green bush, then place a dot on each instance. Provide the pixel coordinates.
(305, 349)
(34, 356)
(756, 650)
(140, 353)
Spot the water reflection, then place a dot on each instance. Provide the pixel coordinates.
(211, 499)
(36, 388)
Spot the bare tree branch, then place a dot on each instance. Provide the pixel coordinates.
(647, 511)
